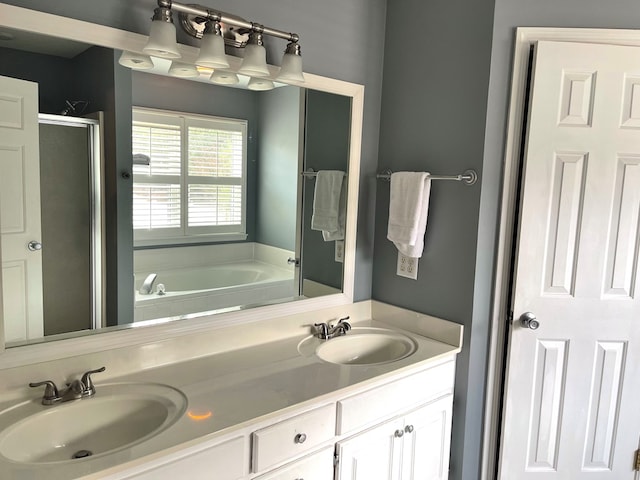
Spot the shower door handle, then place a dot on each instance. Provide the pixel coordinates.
(34, 246)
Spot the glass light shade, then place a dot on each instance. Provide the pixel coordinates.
(260, 84)
(184, 70)
(162, 40)
(135, 61)
(291, 69)
(212, 52)
(224, 78)
(254, 63)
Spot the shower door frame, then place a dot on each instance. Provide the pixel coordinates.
(94, 124)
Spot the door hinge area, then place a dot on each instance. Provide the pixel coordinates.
(636, 461)
(336, 459)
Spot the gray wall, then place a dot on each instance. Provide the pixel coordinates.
(436, 73)
(152, 91)
(54, 76)
(339, 40)
(326, 146)
(278, 166)
(107, 86)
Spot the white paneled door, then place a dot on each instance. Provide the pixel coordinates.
(20, 210)
(572, 401)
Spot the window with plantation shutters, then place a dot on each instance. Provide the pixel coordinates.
(188, 177)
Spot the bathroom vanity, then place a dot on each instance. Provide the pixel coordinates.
(279, 405)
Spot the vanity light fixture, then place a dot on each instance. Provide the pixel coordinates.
(212, 49)
(183, 70)
(162, 36)
(224, 78)
(260, 84)
(291, 68)
(254, 63)
(215, 28)
(135, 61)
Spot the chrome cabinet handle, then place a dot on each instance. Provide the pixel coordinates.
(529, 320)
(300, 438)
(399, 433)
(408, 429)
(34, 246)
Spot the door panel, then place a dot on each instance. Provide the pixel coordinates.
(571, 397)
(20, 210)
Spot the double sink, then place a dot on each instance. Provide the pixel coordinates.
(122, 415)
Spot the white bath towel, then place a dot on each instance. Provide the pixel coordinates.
(328, 204)
(408, 209)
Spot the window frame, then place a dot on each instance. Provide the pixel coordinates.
(184, 234)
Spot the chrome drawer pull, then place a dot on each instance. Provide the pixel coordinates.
(300, 438)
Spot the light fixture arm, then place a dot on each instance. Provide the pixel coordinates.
(214, 16)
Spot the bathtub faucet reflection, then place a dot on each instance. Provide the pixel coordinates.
(147, 285)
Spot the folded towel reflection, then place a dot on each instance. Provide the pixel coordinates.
(329, 204)
(408, 209)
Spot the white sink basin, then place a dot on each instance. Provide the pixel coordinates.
(361, 346)
(117, 417)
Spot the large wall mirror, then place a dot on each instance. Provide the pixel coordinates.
(158, 198)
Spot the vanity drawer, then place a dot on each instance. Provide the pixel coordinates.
(367, 408)
(318, 466)
(225, 461)
(291, 437)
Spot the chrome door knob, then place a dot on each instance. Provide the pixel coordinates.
(34, 246)
(300, 438)
(399, 433)
(529, 320)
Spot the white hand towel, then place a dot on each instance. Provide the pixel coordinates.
(408, 209)
(342, 214)
(327, 202)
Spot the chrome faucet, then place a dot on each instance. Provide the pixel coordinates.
(147, 285)
(325, 331)
(75, 390)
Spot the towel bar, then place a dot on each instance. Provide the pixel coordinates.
(468, 177)
(311, 173)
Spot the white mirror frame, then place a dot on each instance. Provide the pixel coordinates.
(57, 26)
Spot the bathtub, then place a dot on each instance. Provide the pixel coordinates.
(200, 289)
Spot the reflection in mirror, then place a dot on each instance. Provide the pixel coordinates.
(274, 256)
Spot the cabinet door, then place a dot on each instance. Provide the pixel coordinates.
(373, 454)
(426, 441)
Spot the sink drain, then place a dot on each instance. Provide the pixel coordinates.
(82, 454)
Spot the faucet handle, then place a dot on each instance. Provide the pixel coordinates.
(50, 390)
(344, 323)
(89, 388)
(322, 330)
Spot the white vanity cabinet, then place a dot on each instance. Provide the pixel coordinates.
(411, 447)
(398, 428)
